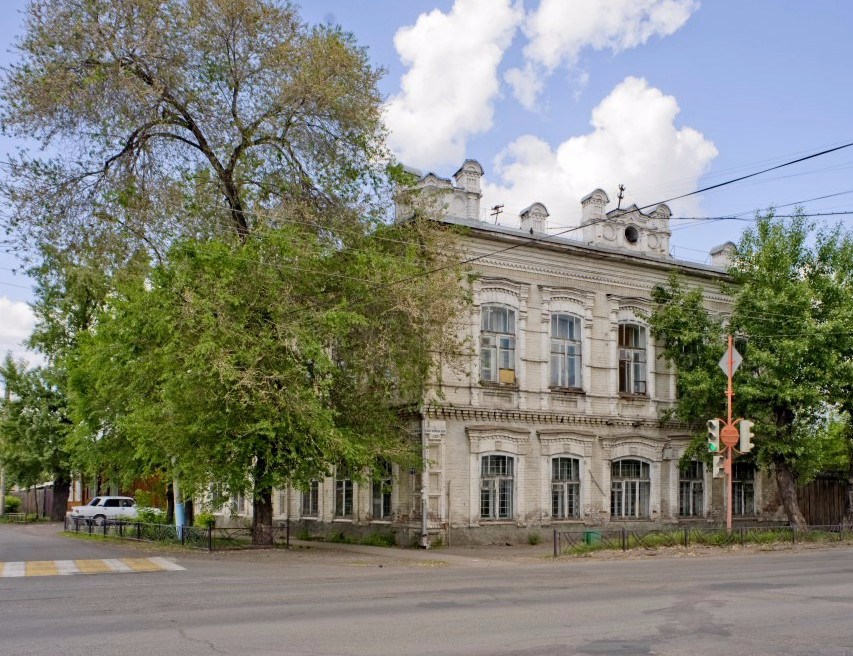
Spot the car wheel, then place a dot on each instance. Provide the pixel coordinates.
(99, 520)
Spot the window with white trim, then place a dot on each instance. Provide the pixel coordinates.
(565, 350)
(691, 490)
(630, 488)
(497, 344)
(344, 495)
(311, 499)
(743, 488)
(496, 487)
(632, 358)
(381, 490)
(565, 488)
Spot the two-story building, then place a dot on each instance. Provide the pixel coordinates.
(555, 419)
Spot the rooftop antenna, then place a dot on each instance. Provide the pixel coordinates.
(620, 196)
(496, 212)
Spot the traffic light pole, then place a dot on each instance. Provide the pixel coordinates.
(726, 437)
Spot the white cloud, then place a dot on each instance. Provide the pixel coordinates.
(634, 141)
(16, 324)
(558, 31)
(449, 90)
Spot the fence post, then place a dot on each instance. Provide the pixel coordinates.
(555, 543)
(209, 536)
(794, 534)
(287, 534)
(624, 539)
(686, 537)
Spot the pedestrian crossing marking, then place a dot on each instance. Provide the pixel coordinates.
(13, 569)
(40, 568)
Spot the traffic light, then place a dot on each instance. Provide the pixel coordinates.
(718, 470)
(745, 426)
(714, 435)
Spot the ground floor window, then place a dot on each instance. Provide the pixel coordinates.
(630, 488)
(344, 496)
(691, 490)
(743, 488)
(565, 488)
(496, 487)
(382, 492)
(311, 500)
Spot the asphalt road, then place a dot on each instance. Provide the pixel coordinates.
(376, 602)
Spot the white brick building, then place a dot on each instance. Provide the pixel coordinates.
(555, 420)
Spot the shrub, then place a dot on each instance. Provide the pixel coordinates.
(376, 539)
(205, 519)
(533, 539)
(150, 515)
(13, 503)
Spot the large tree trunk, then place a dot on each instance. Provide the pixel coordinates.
(170, 504)
(61, 489)
(787, 486)
(261, 506)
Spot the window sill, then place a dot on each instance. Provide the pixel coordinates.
(381, 521)
(568, 391)
(488, 384)
(343, 520)
(492, 522)
(633, 397)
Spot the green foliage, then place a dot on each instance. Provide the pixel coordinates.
(13, 503)
(791, 302)
(533, 538)
(377, 539)
(205, 519)
(150, 515)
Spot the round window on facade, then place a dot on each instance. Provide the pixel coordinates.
(632, 234)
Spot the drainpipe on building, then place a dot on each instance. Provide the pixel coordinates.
(424, 486)
(3, 472)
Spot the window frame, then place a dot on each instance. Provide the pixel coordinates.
(344, 496)
(691, 490)
(630, 491)
(312, 496)
(380, 493)
(498, 346)
(633, 359)
(565, 363)
(497, 487)
(566, 492)
(743, 489)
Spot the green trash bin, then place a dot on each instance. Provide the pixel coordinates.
(592, 537)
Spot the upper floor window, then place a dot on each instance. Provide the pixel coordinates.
(565, 350)
(630, 488)
(691, 490)
(632, 358)
(496, 487)
(344, 495)
(497, 344)
(565, 488)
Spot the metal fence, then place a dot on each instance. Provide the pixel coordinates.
(212, 538)
(591, 539)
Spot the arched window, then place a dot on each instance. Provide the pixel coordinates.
(565, 350)
(497, 344)
(565, 487)
(632, 358)
(630, 488)
(497, 483)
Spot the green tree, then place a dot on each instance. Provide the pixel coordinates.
(223, 166)
(34, 433)
(779, 278)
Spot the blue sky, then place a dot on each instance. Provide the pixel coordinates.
(557, 97)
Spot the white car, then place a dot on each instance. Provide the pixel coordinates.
(100, 509)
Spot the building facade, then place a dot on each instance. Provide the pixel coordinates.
(553, 421)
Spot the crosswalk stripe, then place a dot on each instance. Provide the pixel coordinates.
(40, 568)
(13, 569)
